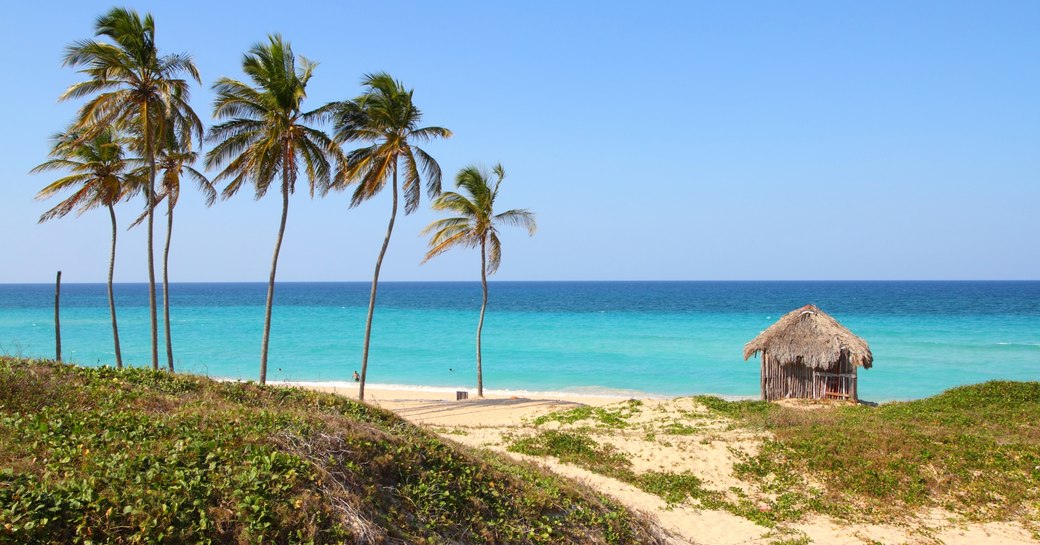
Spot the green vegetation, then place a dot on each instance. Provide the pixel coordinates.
(573, 448)
(678, 428)
(578, 448)
(674, 488)
(134, 456)
(605, 417)
(802, 540)
(475, 225)
(974, 450)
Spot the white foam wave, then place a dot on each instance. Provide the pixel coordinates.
(587, 391)
(569, 392)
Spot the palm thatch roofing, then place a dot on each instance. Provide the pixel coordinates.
(810, 337)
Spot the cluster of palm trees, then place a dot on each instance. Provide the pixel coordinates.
(137, 121)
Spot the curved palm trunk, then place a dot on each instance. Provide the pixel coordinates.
(372, 296)
(270, 282)
(483, 307)
(166, 284)
(149, 153)
(111, 297)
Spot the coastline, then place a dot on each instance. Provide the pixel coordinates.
(662, 338)
(589, 395)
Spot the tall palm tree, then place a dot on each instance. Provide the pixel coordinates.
(175, 160)
(385, 116)
(99, 176)
(476, 225)
(133, 86)
(268, 135)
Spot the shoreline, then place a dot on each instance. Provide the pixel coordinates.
(416, 392)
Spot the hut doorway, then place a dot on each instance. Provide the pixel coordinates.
(838, 382)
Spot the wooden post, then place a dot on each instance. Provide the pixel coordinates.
(855, 384)
(57, 322)
(762, 374)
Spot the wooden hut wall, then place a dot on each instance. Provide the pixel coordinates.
(784, 381)
(797, 381)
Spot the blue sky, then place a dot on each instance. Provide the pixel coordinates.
(658, 141)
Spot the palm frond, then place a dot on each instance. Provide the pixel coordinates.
(385, 116)
(203, 184)
(448, 241)
(427, 134)
(494, 253)
(476, 223)
(411, 184)
(266, 134)
(447, 224)
(431, 169)
(55, 164)
(518, 217)
(63, 184)
(372, 166)
(458, 203)
(81, 198)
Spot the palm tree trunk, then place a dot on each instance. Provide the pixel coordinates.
(111, 296)
(166, 283)
(375, 284)
(149, 153)
(270, 282)
(483, 307)
(57, 318)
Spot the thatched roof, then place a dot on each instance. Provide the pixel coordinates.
(810, 337)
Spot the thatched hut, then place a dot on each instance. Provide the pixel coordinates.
(808, 354)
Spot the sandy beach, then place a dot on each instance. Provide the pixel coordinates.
(709, 446)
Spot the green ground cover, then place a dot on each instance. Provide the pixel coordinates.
(104, 456)
(974, 450)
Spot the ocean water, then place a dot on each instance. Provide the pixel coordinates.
(658, 338)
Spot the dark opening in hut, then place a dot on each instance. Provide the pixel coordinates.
(808, 354)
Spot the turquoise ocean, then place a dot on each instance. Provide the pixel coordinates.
(625, 338)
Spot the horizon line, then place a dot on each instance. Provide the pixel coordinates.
(368, 282)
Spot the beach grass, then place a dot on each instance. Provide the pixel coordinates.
(973, 450)
(576, 443)
(96, 454)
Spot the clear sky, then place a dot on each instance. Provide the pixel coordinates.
(654, 140)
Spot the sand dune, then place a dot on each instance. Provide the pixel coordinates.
(708, 447)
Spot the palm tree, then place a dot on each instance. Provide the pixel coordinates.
(267, 135)
(385, 116)
(475, 226)
(174, 161)
(100, 176)
(133, 86)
